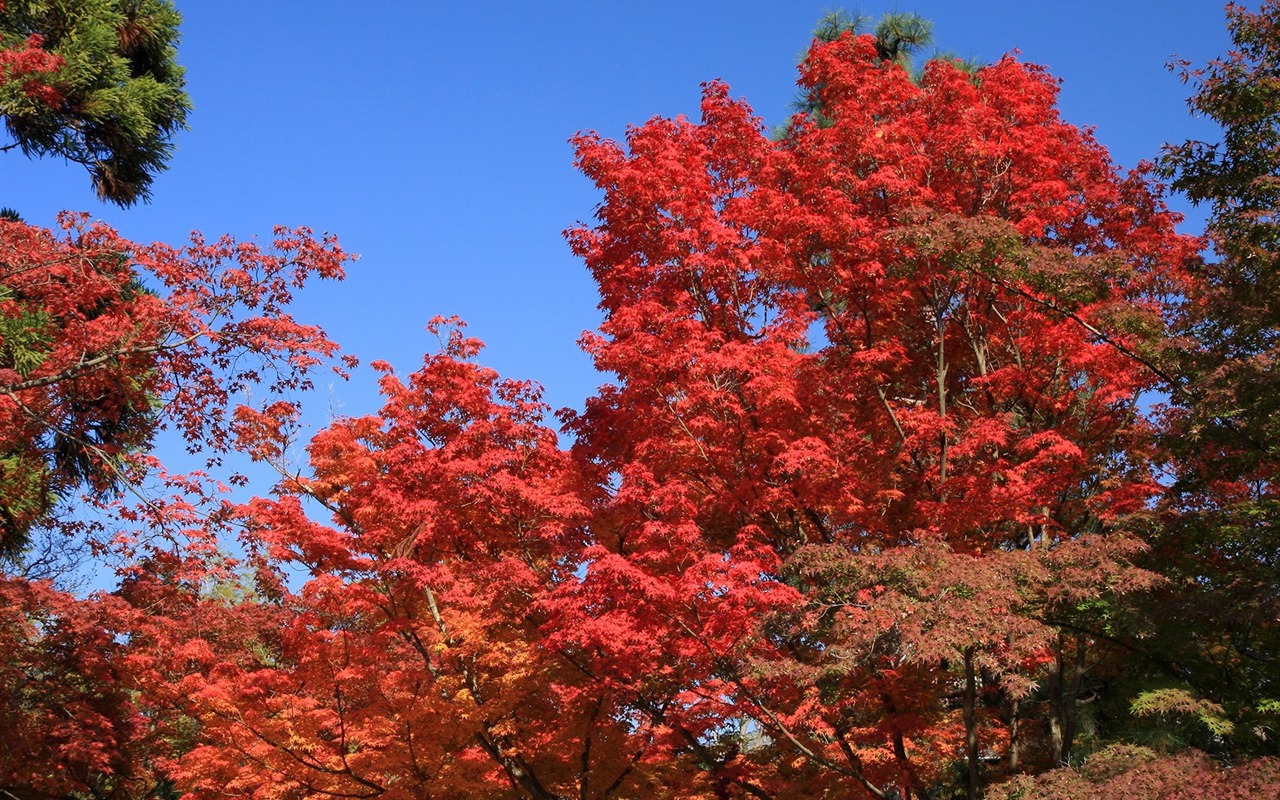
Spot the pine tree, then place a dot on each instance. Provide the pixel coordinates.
(95, 82)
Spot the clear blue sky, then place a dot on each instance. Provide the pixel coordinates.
(431, 138)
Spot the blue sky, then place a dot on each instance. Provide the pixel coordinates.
(431, 138)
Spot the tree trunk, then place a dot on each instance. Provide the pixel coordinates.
(971, 725)
(1064, 689)
(1015, 707)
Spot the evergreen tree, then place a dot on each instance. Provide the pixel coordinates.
(1220, 547)
(899, 37)
(94, 82)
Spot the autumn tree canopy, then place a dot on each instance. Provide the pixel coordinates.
(874, 501)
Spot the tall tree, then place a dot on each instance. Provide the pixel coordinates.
(1221, 545)
(95, 82)
(860, 514)
(870, 464)
(875, 433)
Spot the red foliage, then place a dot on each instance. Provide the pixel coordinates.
(1137, 773)
(105, 340)
(872, 447)
(70, 721)
(409, 664)
(875, 410)
(29, 67)
(102, 342)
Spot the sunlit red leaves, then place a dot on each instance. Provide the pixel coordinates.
(109, 340)
(410, 661)
(980, 273)
(31, 72)
(70, 718)
(872, 443)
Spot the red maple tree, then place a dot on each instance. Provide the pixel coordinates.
(857, 514)
(106, 340)
(873, 440)
(875, 431)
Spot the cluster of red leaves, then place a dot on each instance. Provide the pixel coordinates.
(70, 722)
(873, 440)
(1142, 774)
(28, 68)
(106, 340)
(872, 449)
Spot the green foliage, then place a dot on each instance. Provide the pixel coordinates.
(899, 34)
(1215, 620)
(835, 24)
(24, 337)
(1182, 704)
(111, 94)
(25, 498)
(1235, 323)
